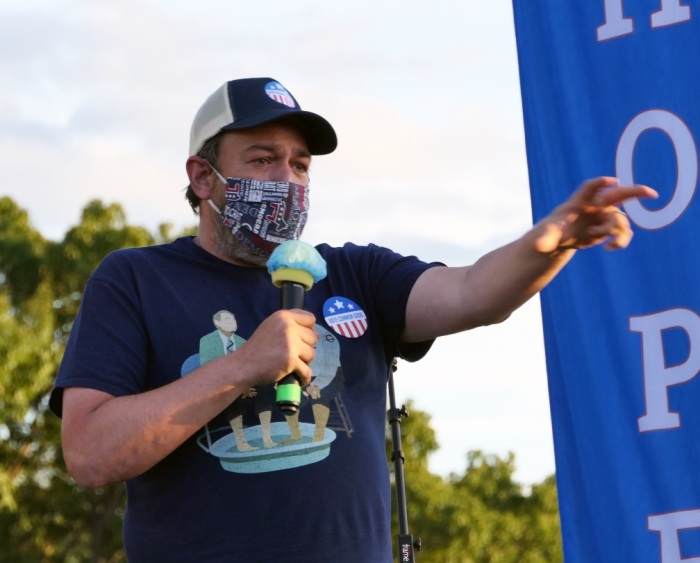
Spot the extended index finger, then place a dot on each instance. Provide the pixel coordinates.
(620, 194)
(606, 190)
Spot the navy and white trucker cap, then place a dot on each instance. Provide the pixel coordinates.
(248, 102)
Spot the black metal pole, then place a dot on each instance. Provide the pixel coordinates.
(406, 544)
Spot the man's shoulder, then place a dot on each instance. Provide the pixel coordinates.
(177, 246)
(153, 254)
(364, 255)
(351, 249)
(214, 335)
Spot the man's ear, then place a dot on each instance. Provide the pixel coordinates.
(201, 176)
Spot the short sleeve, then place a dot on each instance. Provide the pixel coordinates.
(107, 347)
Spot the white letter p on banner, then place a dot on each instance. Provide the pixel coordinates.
(657, 376)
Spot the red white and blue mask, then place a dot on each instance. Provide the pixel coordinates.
(263, 214)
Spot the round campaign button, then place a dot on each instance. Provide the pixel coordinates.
(345, 317)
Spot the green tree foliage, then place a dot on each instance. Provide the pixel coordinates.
(43, 513)
(480, 516)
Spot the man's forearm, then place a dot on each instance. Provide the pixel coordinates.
(449, 300)
(109, 439)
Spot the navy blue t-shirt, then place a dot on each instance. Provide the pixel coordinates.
(252, 485)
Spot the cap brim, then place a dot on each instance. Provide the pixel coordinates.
(319, 134)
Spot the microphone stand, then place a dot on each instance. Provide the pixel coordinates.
(406, 543)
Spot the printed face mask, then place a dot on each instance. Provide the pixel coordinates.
(263, 214)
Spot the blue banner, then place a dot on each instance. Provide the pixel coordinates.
(612, 87)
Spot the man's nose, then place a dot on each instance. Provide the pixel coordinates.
(283, 172)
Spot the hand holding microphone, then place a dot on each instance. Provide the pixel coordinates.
(294, 266)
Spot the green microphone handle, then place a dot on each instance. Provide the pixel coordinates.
(289, 388)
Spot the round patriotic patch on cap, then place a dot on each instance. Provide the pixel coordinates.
(345, 317)
(278, 93)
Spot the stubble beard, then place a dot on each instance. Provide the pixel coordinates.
(228, 245)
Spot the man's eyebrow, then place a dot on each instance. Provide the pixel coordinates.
(272, 148)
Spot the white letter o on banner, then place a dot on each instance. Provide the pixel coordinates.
(686, 164)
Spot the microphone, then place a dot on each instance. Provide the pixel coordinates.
(294, 267)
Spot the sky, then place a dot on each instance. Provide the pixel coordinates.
(97, 100)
